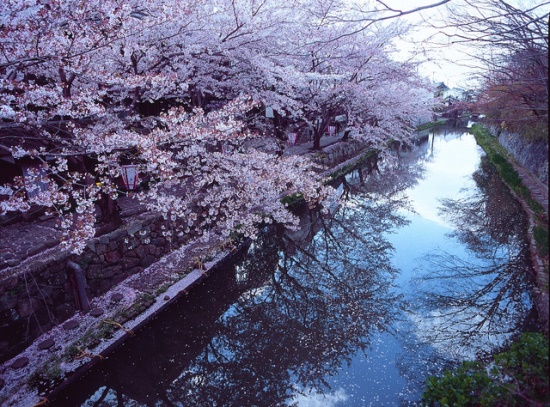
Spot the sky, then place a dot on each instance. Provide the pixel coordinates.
(447, 63)
(442, 63)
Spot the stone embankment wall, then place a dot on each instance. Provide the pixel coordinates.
(532, 155)
(43, 293)
(335, 154)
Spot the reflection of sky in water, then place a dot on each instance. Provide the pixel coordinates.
(447, 172)
(276, 333)
(377, 379)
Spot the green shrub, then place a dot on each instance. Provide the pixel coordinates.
(516, 377)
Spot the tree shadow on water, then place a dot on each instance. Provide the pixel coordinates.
(470, 304)
(295, 310)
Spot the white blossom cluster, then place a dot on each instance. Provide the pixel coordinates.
(176, 88)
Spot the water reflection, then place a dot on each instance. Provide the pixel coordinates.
(298, 310)
(478, 299)
(289, 321)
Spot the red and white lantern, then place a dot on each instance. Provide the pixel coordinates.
(130, 176)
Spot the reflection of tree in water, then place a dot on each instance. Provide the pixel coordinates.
(297, 308)
(317, 310)
(489, 221)
(477, 303)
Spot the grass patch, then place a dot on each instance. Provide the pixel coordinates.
(541, 237)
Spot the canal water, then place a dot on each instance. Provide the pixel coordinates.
(423, 265)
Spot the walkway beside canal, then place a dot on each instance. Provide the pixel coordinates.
(539, 192)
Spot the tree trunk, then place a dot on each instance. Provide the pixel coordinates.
(110, 218)
(317, 140)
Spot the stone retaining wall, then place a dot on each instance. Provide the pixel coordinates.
(532, 155)
(33, 301)
(335, 154)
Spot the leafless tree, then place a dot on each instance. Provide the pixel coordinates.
(510, 43)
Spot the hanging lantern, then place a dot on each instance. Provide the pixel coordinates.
(130, 176)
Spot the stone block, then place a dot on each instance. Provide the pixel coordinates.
(135, 270)
(148, 260)
(130, 253)
(108, 272)
(91, 245)
(113, 257)
(140, 251)
(130, 262)
(94, 271)
(134, 228)
(27, 307)
(118, 234)
(100, 248)
(159, 241)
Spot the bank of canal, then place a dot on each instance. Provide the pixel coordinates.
(424, 265)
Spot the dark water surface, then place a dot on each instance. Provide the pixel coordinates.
(423, 265)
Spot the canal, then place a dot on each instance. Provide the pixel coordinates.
(423, 265)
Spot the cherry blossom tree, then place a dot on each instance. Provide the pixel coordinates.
(349, 71)
(175, 88)
(76, 77)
